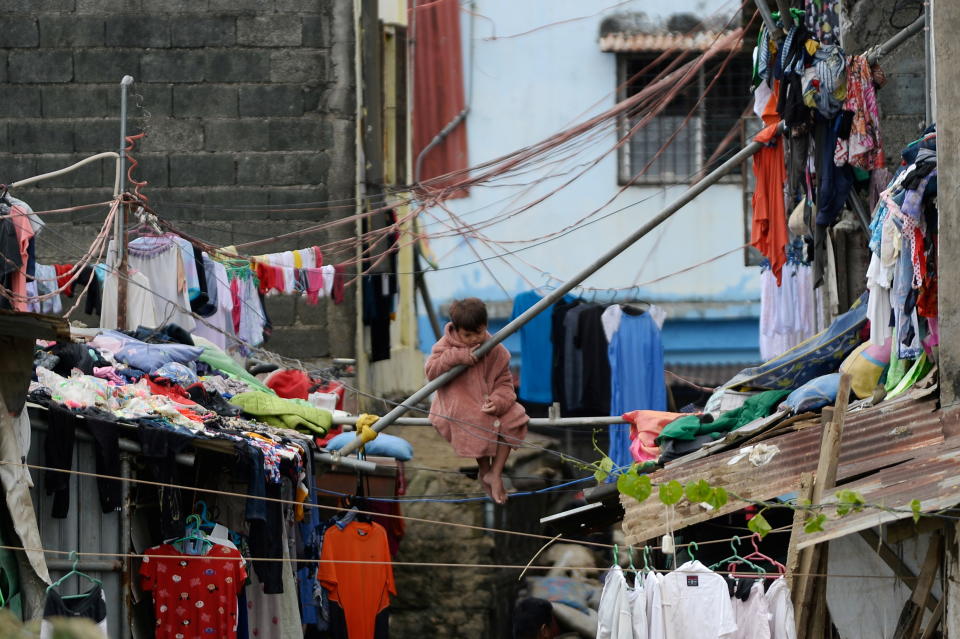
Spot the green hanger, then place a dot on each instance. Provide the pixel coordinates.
(630, 551)
(616, 554)
(646, 560)
(73, 571)
(692, 550)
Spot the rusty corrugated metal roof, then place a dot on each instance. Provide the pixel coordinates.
(888, 434)
(932, 478)
(666, 40)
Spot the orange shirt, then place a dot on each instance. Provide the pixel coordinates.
(362, 590)
(769, 234)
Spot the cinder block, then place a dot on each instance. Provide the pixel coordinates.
(3, 135)
(105, 65)
(3, 66)
(153, 98)
(15, 167)
(205, 169)
(298, 134)
(276, 100)
(40, 136)
(39, 65)
(303, 342)
(19, 32)
(95, 136)
(269, 31)
(152, 167)
(74, 101)
(301, 6)
(290, 65)
(240, 6)
(316, 31)
(20, 102)
(180, 65)
(177, 7)
(234, 65)
(173, 135)
(205, 101)
(301, 203)
(88, 175)
(33, 7)
(103, 7)
(195, 31)
(136, 31)
(281, 308)
(86, 196)
(236, 135)
(237, 198)
(281, 169)
(71, 31)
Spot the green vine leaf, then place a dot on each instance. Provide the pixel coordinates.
(815, 524)
(915, 509)
(849, 501)
(637, 486)
(604, 469)
(718, 497)
(697, 491)
(759, 525)
(671, 492)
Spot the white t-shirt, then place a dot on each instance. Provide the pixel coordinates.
(651, 590)
(782, 623)
(638, 611)
(614, 617)
(696, 604)
(752, 615)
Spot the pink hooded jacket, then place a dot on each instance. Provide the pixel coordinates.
(471, 432)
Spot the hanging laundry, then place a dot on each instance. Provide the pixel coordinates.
(769, 234)
(696, 603)
(160, 259)
(536, 375)
(91, 605)
(615, 616)
(782, 623)
(636, 376)
(787, 311)
(359, 593)
(862, 147)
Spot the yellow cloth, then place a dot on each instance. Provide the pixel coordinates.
(365, 428)
(811, 46)
(297, 260)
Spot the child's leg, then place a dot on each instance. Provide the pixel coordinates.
(484, 464)
(493, 480)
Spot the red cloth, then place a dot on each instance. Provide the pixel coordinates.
(769, 234)
(645, 427)
(162, 386)
(194, 595)
(290, 384)
(338, 283)
(63, 276)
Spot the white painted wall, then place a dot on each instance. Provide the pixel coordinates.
(528, 87)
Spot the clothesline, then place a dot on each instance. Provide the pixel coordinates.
(414, 564)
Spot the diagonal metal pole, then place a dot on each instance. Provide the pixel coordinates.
(557, 294)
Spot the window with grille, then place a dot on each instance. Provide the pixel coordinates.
(698, 145)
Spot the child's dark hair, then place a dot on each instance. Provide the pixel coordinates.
(469, 314)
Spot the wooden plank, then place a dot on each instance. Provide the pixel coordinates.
(799, 517)
(934, 621)
(893, 561)
(826, 477)
(908, 626)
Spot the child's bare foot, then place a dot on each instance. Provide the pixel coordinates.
(493, 486)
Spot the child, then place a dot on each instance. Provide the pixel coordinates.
(477, 412)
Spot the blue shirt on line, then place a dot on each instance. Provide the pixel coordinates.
(536, 381)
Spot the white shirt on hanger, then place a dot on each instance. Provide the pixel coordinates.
(614, 617)
(696, 604)
(782, 623)
(638, 611)
(752, 615)
(651, 591)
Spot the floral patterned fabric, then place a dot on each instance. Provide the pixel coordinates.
(863, 148)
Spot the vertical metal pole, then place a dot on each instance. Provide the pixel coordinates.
(764, 9)
(928, 67)
(126, 525)
(119, 232)
(785, 16)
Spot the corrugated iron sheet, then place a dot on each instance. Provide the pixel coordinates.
(875, 438)
(663, 41)
(932, 478)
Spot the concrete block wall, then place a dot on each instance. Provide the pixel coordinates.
(248, 106)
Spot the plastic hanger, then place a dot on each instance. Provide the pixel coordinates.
(692, 550)
(73, 571)
(759, 556)
(646, 560)
(735, 558)
(193, 534)
(205, 522)
(616, 555)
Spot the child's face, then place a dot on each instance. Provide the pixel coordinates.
(471, 338)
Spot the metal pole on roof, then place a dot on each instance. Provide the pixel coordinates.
(696, 189)
(558, 293)
(119, 235)
(785, 16)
